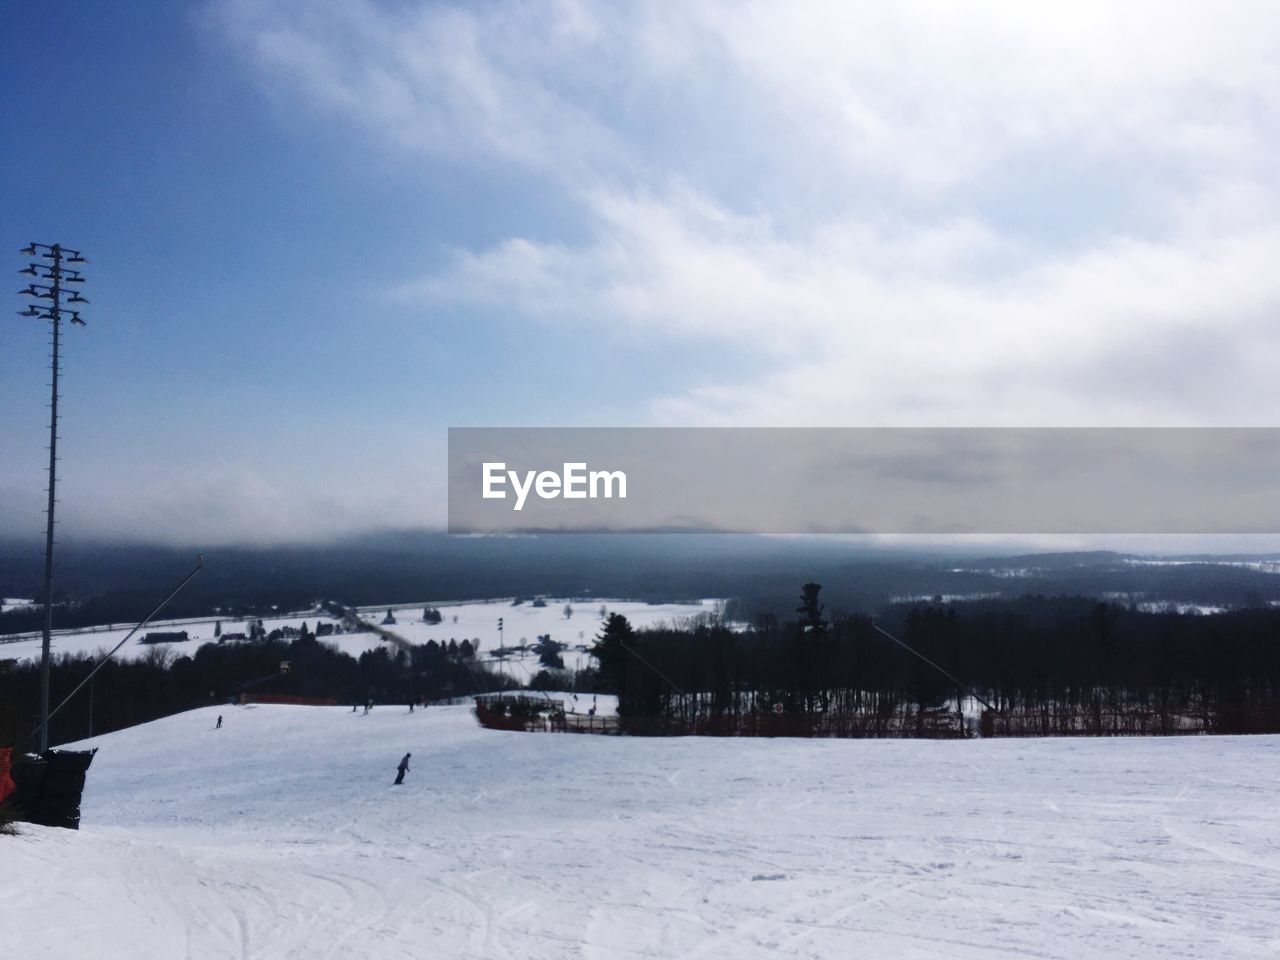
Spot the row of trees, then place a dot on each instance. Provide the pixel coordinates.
(1046, 665)
(1072, 664)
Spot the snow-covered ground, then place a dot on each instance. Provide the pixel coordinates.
(281, 836)
(525, 623)
(477, 620)
(1200, 609)
(95, 640)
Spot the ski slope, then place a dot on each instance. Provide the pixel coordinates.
(281, 836)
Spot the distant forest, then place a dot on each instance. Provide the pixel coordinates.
(1044, 666)
(120, 583)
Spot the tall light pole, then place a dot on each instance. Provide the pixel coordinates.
(47, 290)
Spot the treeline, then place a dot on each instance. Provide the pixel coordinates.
(1045, 665)
(128, 692)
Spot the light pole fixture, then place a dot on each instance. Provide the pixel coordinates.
(56, 283)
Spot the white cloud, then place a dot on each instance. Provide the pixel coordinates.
(915, 212)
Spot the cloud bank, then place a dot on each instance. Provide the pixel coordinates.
(908, 214)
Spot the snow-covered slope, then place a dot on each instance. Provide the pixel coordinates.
(281, 835)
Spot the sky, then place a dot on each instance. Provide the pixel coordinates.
(322, 232)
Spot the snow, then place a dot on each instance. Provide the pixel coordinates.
(96, 640)
(476, 619)
(1261, 566)
(942, 597)
(525, 623)
(1182, 609)
(281, 836)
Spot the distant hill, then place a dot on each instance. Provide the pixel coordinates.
(113, 582)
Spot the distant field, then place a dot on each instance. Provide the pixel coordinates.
(475, 620)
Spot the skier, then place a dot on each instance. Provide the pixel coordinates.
(218, 725)
(402, 769)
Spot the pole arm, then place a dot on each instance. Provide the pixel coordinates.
(963, 686)
(103, 662)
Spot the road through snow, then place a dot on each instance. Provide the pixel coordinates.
(280, 835)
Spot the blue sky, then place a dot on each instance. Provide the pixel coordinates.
(323, 232)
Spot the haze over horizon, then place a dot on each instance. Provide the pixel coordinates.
(322, 233)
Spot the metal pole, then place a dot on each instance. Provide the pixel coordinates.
(43, 732)
(56, 276)
(56, 250)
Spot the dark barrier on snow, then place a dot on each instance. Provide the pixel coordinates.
(48, 786)
(1071, 720)
(532, 715)
(518, 712)
(6, 782)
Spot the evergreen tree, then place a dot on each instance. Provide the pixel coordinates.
(610, 650)
(810, 609)
(549, 652)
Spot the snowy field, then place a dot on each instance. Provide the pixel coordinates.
(472, 621)
(95, 640)
(525, 623)
(281, 836)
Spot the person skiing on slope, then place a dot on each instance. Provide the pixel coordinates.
(402, 769)
(218, 725)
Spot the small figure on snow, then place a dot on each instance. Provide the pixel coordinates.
(402, 769)
(218, 725)
(411, 706)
